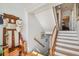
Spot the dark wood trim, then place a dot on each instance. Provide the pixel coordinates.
(13, 39)
(19, 38)
(10, 16)
(11, 29)
(13, 36)
(39, 42)
(4, 37)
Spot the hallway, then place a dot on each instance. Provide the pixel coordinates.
(41, 29)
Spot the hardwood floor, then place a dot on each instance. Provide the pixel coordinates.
(33, 54)
(18, 51)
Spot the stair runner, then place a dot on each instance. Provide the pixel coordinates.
(67, 44)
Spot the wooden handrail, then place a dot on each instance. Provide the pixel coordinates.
(54, 34)
(53, 40)
(53, 30)
(39, 42)
(54, 44)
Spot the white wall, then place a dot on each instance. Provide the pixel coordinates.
(31, 26)
(38, 22)
(46, 19)
(34, 29)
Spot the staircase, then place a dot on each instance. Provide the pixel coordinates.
(67, 44)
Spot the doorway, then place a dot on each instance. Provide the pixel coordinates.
(65, 16)
(65, 23)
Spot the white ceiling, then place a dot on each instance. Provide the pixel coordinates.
(27, 6)
(67, 6)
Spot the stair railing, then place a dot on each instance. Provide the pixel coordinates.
(39, 42)
(53, 40)
(54, 35)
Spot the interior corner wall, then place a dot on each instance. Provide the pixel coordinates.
(34, 30)
(47, 19)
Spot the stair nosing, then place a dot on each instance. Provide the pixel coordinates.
(73, 46)
(65, 37)
(74, 49)
(68, 41)
(59, 53)
(67, 50)
(65, 53)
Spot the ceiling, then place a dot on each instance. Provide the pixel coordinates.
(67, 6)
